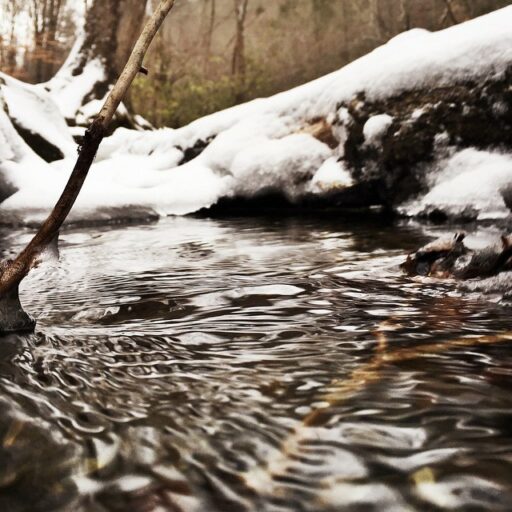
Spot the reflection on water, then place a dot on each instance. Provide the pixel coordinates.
(249, 365)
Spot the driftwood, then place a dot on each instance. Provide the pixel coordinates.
(12, 316)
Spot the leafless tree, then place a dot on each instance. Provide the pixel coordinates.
(208, 38)
(238, 64)
(449, 14)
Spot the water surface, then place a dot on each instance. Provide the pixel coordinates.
(252, 365)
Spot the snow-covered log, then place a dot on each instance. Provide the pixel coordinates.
(421, 125)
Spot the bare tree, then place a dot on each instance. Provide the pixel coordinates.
(45, 16)
(208, 38)
(449, 14)
(405, 10)
(111, 27)
(238, 63)
(9, 47)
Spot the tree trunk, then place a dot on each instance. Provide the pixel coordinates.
(449, 14)
(238, 66)
(209, 35)
(110, 31)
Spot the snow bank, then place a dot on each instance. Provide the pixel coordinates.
(19, 165)
(471, 184)
(264, 145)
(34, 110)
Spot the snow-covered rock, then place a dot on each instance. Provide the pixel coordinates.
(330, 176)
(470, 184)
(376, 128)
(398, 119)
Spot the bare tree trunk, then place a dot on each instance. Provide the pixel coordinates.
(345, 51)
(11, 50)
(209, 35)
(449, 14)
(12, 316)
(111, 28)
(238, 65)
(405, 14)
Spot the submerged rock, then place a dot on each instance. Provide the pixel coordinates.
(449, 257)
(439, 256)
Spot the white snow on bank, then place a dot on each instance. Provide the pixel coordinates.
(69, 90)
(282, 164)
(259, 144)
(470, 180)
(19, 165)
(332, 175)
(34, 109)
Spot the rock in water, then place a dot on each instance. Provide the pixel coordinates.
(437, 257)
(449, 257)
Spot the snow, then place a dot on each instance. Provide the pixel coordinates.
(331, 175)
(263, 144)
(70, 90)
(284, 164)
(34, 109)
(19, 165)
(375, 128)
(469, 181)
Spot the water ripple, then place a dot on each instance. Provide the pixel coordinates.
(243, 365)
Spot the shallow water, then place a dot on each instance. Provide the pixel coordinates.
(252, 365)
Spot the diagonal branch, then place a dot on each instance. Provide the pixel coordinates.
(13, 272)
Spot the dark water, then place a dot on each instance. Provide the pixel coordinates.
(253, 365)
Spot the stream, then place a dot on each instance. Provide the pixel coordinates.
(265, 365)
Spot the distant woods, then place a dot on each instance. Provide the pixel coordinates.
(213, 54)
(35, 36)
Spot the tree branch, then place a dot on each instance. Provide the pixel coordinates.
(13, 272)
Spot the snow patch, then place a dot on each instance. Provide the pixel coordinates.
(70, 90)
(470, 180)
(285, 164)
(332, 175)
(376, 128)
(34, 109)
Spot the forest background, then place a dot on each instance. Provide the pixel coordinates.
(213, 54)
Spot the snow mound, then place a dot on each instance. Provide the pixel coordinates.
(332, 175)
(263, 144)
(470, 183)
(285, 164)
(375, 128)
(68, 88)
(32, 107)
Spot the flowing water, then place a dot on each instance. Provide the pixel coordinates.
(252, 365)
